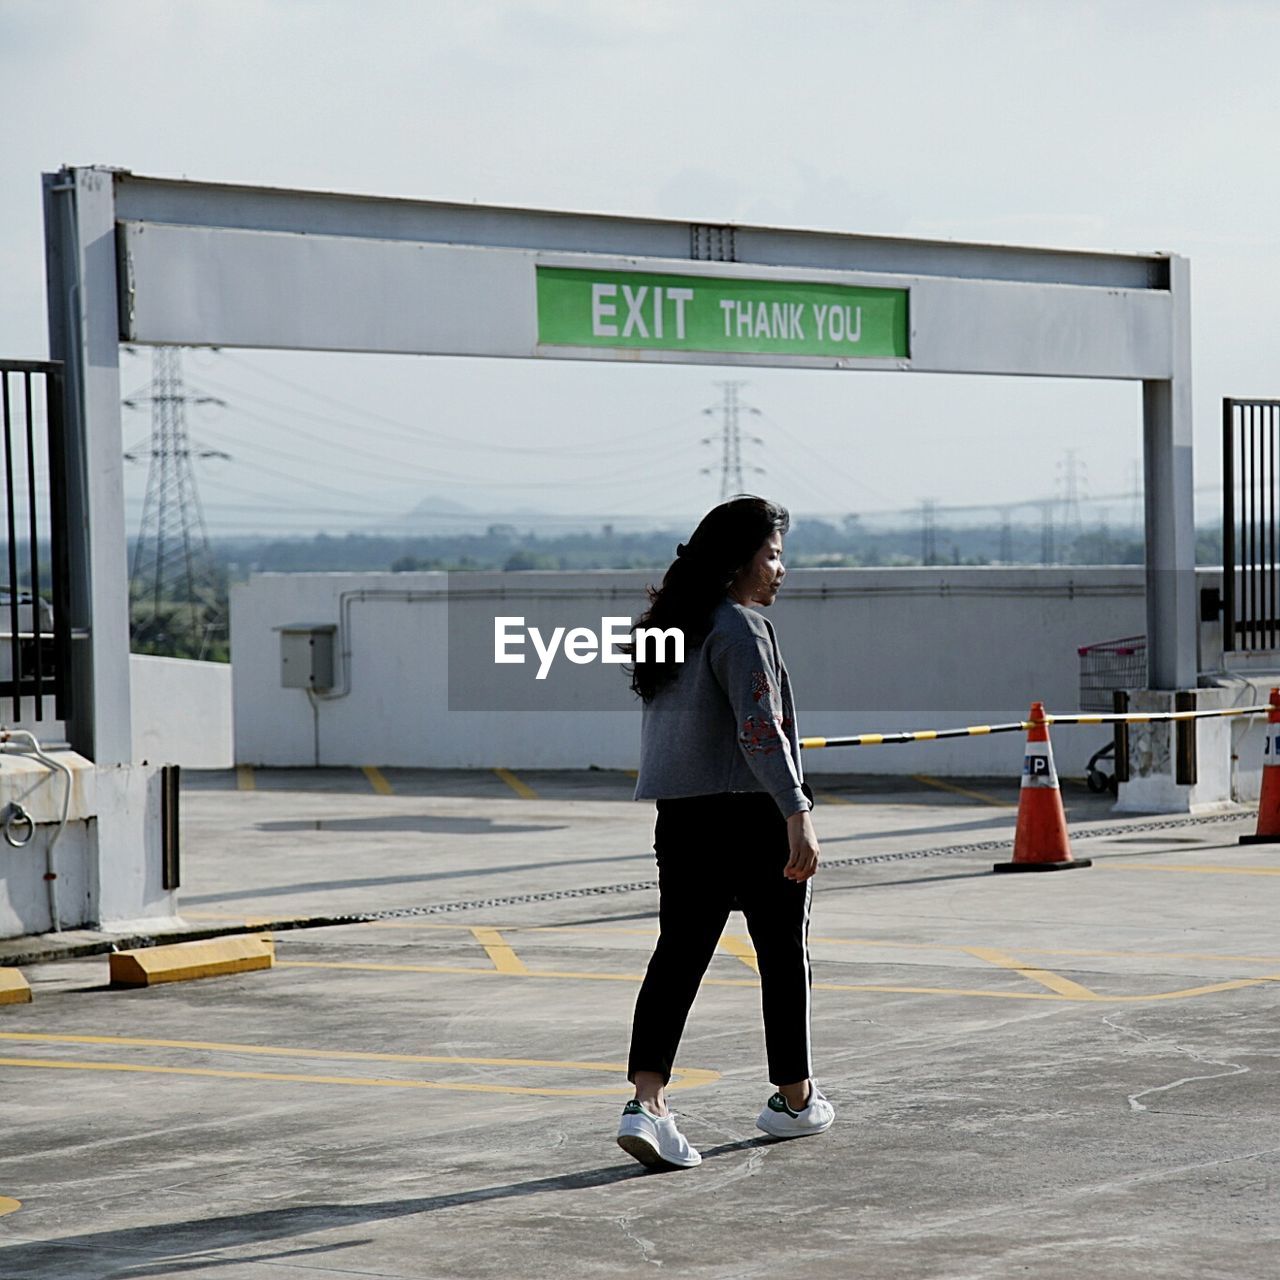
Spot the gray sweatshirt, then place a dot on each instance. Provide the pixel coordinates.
(727, 722)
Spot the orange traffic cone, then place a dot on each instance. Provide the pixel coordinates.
(1040, 842)
(1268, 831)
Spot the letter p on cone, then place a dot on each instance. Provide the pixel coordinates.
(1268, 831)
(1040, 842)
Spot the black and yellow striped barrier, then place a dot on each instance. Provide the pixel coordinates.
(1021, 726)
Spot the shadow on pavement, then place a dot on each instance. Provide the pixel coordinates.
(425, 823)
(981, 824)
(167, 1248)
(826, 889)
(372, 882)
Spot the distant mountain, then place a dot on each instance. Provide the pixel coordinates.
(437, 516)
(434, 505)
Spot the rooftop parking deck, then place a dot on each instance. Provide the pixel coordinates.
(1048, 1075)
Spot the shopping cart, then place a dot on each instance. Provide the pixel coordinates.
(1104, 668)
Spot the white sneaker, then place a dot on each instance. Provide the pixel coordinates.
(654, 1140)
(779, 1121)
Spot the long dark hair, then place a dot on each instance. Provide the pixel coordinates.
(726, 539)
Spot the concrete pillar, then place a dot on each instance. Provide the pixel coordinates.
(1172, 607)
(122, 866)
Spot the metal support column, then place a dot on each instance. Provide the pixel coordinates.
(84, 333)
(1172, 610)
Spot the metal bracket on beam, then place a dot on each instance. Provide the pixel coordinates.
(710, 243)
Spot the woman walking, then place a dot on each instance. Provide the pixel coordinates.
(720, 755)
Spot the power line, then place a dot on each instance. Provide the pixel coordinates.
(826, 466)
(423, 435)
(396, 469)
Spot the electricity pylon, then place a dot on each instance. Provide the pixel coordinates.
(172, 564)
(730, 437)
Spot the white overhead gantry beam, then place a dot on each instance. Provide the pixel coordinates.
(204, 264)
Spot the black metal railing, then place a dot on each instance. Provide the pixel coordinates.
(35, 609)
(1250, 513)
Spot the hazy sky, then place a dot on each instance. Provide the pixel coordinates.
(1131, 126)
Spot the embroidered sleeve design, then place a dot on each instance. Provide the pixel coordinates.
(759, 686)
(760, 736)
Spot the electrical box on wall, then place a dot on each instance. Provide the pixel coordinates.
(306, 655)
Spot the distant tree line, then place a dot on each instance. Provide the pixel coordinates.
(810, 542)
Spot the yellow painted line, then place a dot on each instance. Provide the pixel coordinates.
(740, 949)
(1234, 985)
(1041, 951)
(887, 944)
(506, 928)
(9, 1205)
(214, 957)
(286, 1077)
(522, 789)
(639, 977)
(1237, 985)
(683, 1077)
(875, 989)
(1203, 871)
(14, 988)
(376, 780)
(1054, 981)
(962, 791)
(1158, 955)
(344, 1055)
(374, 966)
(632, 773)
(499, 951)
(830, 797)
(245, 780)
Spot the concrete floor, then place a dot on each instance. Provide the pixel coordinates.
(1051, 1075)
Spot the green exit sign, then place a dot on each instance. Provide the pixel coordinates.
(641, 310)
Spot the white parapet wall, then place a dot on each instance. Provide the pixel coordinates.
(107, 858)
(29, 902)
(114, 884)
(181, 712)
(868, 650)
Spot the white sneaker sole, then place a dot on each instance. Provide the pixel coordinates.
(639, 1147)
(807, 1132)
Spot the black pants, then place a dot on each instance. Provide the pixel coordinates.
(717, 854)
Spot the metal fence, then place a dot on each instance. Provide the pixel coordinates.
(35, 616)
(1250, 513)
